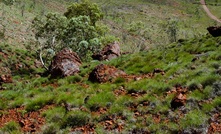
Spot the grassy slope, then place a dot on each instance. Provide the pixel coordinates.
(18, 28)
(119, 15)
(106, 111)
(200, 77)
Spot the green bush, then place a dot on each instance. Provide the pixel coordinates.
(84, 8)
(75, 29)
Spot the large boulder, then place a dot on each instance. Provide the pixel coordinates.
(108, 52)
(104, 73)
(65, 63)
(215, 31)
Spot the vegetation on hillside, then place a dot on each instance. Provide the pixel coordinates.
(190, 71)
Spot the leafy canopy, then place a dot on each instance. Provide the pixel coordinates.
(74, 29)
(85, 9)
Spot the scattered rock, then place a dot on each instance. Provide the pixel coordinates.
(65, 63)
(215, 31)
(180, 98)
(194, 59)
(5, 79)
(104, 73)
(178, 101)
(157, 70)
(215, 123)
(18, 66)
(109, 52)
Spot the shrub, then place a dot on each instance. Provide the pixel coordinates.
(75, 29)
(84, 8)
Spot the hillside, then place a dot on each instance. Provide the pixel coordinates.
(155, 86)
(136, 24)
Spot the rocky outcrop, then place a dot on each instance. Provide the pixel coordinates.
(6, 78)
(215, 31)
(108, 52)
(65, 63)
(104, 73)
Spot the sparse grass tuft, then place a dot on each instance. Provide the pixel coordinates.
(39, 102)
(76, 118)
(101, 99)
(11, 127)
(193, 119)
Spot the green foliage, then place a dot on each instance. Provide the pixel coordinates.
(194, 118)
(11, 127)
(74, 79)
(39, 102)
(76, 118)
(102, 99)
(75, 30)
(85, 8)
(171, 28)
(8, 2)
(136, 27)
(55, 115)
(77, 101)
(119, 105)
(50, 128)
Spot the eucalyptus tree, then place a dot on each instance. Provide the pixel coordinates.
(75, 29)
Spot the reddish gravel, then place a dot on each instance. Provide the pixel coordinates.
(29, 122)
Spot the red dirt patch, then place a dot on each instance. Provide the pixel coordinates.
(29, 122)
(85, 129)
(215, 125)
